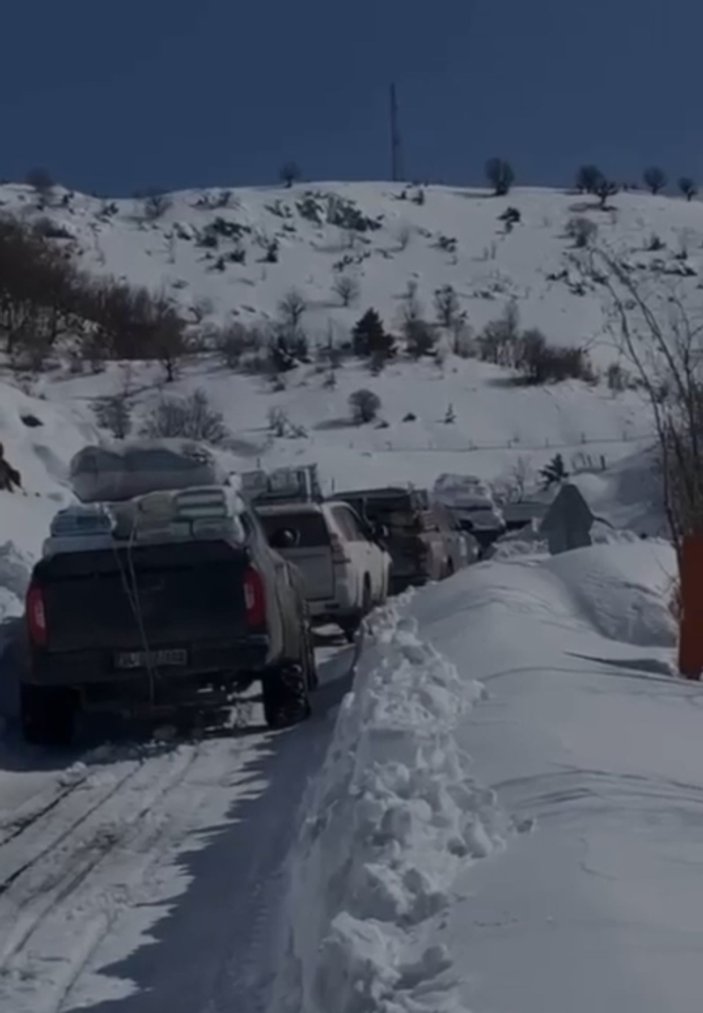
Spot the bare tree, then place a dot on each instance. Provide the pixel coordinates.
(347, 288)
(664, 346)
(587, 178)
(446, 303)
(190, 418)
(291, 307)
(290, 173)
(500, 175)
(654, 179)
(605, 188)
(688, 187)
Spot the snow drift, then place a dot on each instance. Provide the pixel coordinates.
(393, 817)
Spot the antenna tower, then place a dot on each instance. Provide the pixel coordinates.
(396, 153)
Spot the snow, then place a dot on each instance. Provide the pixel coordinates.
(505, 811)
(391, 819)
(498, 427)
(511, 814)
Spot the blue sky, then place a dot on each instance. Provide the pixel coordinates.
(114, 97)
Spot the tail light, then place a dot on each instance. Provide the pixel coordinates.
(254, 598)
(338, 553)
(36, 616)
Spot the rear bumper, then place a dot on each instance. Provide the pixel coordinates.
(344, 603)
(94, 676)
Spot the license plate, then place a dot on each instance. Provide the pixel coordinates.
(172, 657)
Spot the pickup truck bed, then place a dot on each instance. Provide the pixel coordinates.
(151, 626)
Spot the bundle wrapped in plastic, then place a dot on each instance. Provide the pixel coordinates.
(200, 512)
(80, 528)
(118, 472)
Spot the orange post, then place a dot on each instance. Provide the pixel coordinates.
(691, 628)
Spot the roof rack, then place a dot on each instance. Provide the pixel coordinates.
(282, 485)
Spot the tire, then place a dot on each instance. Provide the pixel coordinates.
(286, 696)
(350, 626)
(47, 715)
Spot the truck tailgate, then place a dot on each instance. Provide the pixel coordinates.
(180, 593)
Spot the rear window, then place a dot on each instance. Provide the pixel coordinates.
(310, 528)
(395, 511)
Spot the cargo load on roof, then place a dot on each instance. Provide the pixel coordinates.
(115, 472)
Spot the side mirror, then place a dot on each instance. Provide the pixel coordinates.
(284, 538)
(381, 531)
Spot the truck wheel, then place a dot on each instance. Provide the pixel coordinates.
(47, 715)
(286, 695)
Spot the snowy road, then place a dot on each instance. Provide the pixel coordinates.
(148, 878)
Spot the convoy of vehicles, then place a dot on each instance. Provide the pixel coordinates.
(423, 539)
(173, 599)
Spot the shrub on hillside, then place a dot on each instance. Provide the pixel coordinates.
(190, 418)
(365, 405)
(542, 363)
(235, 341)
(582, 230)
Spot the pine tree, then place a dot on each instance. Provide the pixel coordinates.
(554, 473)
(369, 337)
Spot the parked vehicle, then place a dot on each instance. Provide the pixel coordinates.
(344, 568)
(424, 541)
(471, 503)
(163, 622)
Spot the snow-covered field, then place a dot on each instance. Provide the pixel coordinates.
(504, 814)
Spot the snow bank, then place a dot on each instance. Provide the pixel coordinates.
(394, 815)
(623, 590)
(584, 733)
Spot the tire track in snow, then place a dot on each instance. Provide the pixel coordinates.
(35, 808)
(45, 882)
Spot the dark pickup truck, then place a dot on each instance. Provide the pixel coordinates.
(164, 626)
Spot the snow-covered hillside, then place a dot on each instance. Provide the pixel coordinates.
(208, 251)
(455, 237)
